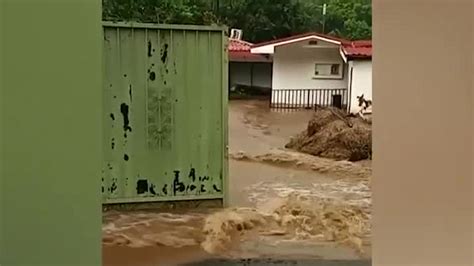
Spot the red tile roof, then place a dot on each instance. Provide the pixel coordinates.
(352, 49)
(239, 51)
(362, 43)
(239, 45)
(358, 49)
(248, 57)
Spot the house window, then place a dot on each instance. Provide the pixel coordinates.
(327, 70)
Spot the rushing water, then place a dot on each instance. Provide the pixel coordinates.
(277, 211)
(250, 229)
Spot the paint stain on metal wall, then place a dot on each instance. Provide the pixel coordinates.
(142, 186)
(164, 53)
(152, 76)
(124, 110)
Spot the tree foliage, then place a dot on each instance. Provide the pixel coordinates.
(351, 19)
(260, 20)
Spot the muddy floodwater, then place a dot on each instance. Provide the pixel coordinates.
(278, 209)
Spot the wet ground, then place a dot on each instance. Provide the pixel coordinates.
(287, 262)
(262, 176)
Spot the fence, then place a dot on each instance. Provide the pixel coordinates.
(308, 98)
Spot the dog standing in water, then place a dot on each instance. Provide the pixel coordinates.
(365, 105)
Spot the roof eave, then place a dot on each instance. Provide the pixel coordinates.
(343, 54)
(359, 57)
(271, 45)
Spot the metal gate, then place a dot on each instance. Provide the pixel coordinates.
(165, 113)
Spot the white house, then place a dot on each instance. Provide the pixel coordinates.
(315, 69)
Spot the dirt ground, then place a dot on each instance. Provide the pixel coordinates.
(263, 176)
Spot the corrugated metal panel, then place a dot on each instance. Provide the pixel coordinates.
(165, 113)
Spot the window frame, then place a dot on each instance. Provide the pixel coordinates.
(330, 76)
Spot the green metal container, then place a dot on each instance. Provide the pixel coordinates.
(165, 113)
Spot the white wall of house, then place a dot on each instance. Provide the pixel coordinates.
(294, 68)
(294, 65)
(361, 82)
(240, 73)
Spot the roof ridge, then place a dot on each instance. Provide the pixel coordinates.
(303, 35)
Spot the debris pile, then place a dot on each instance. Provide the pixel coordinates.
(333, 134)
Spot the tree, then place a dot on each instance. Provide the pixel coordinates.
(350, 19)
(260, 20)
(264, 19)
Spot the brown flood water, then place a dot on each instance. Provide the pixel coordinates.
(255, 129)
(152, 238)
(147, 256)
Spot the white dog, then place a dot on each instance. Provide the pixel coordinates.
(365, 106)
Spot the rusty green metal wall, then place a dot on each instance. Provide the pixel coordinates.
(165, 113)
